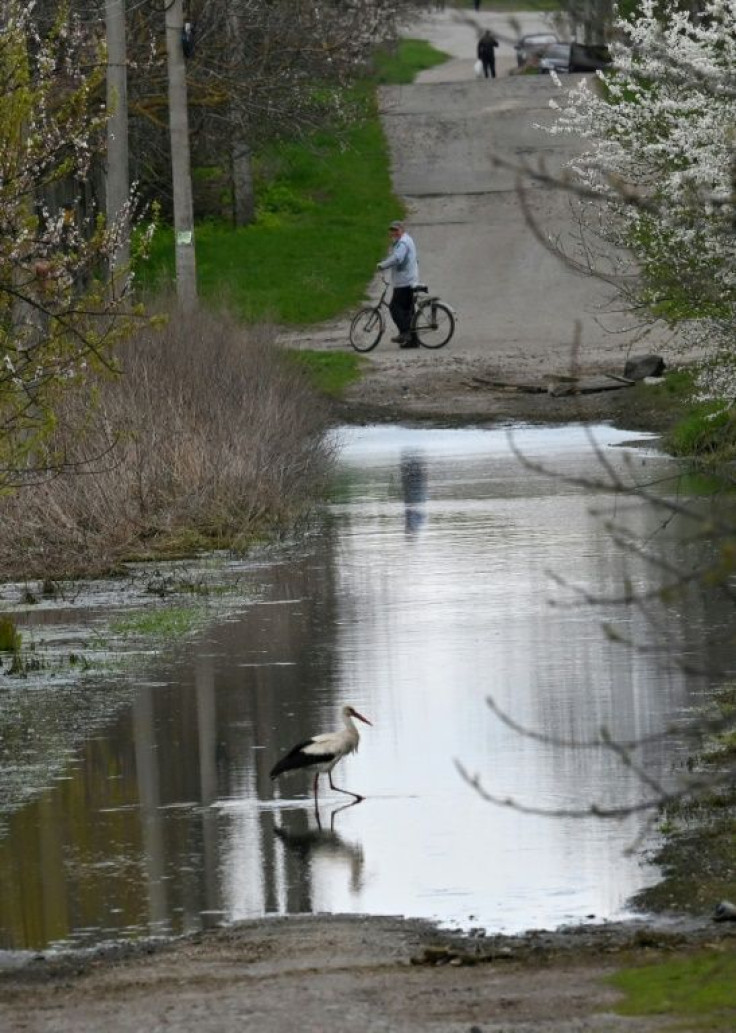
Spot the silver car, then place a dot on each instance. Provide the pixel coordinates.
(556, 58)
(533, 45)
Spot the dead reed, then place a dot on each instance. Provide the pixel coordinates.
(205, 439)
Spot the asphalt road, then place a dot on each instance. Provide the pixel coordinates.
(520, 309)
(518, 304)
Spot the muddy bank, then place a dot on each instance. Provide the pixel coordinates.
(456, 391)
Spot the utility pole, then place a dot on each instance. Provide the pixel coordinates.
(118, 177)
(186, 266)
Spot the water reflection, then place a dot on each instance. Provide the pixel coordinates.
(311, 846)
(414, 490)
(413, 603)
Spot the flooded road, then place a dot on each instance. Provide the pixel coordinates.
(432, 583)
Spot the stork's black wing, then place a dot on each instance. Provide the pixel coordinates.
(297, 758)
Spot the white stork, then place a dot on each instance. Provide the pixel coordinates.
(322, 752)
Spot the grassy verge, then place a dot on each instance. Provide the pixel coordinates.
(702, 431)
(706, 434)
(328, 372)
(690, 994)
(322, 210)
(403, 62)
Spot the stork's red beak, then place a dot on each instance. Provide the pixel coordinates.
(360, 717)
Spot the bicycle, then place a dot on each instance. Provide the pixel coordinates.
(433, 321)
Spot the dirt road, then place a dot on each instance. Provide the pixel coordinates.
(519, 307)
(377, 975)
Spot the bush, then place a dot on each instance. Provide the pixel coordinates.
(207, 435)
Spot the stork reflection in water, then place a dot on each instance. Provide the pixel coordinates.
(309, 845)
(321, 753)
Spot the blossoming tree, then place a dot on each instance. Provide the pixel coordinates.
(661, 161)
(57, 313)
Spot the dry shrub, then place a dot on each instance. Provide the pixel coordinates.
(208, 436)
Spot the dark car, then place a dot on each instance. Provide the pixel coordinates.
(588, 57)
(556, 58)
(533, 45)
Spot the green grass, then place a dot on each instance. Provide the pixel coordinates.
(323, 207)
(298, 267)
(401, 64)
(708, 432)
(168, 623)
(703, 431)
(329, 372)
(697, 993)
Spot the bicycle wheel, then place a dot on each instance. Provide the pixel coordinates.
(434, 323)
(366, 328)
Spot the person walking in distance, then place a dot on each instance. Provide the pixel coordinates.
(487, 53)
(402, 261)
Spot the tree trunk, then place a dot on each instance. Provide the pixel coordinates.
(118, 178)
(241, 157)
(244, 204)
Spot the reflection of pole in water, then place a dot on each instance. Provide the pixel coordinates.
(204, 680)
(149, 799)
(413, 489)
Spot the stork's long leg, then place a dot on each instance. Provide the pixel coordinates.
(356, 796)
(316, 780)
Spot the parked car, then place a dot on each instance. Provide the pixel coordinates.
(533, 45)
(556, 58)
(588, 57)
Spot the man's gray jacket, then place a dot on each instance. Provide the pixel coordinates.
(402, 261)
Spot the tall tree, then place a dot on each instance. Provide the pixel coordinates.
(117, 174)
(660, 165)
(57, 311)
(259, 69)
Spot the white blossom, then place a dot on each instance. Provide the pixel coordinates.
(661, 131)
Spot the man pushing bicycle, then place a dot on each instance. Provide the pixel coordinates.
(402, 261)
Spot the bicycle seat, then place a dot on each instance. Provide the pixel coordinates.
(420, 288)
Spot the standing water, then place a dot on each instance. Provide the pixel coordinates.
(443, 575)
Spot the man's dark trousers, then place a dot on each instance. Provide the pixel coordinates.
(401, 308)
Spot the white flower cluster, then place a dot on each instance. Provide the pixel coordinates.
(662, 130)
(57, 251)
